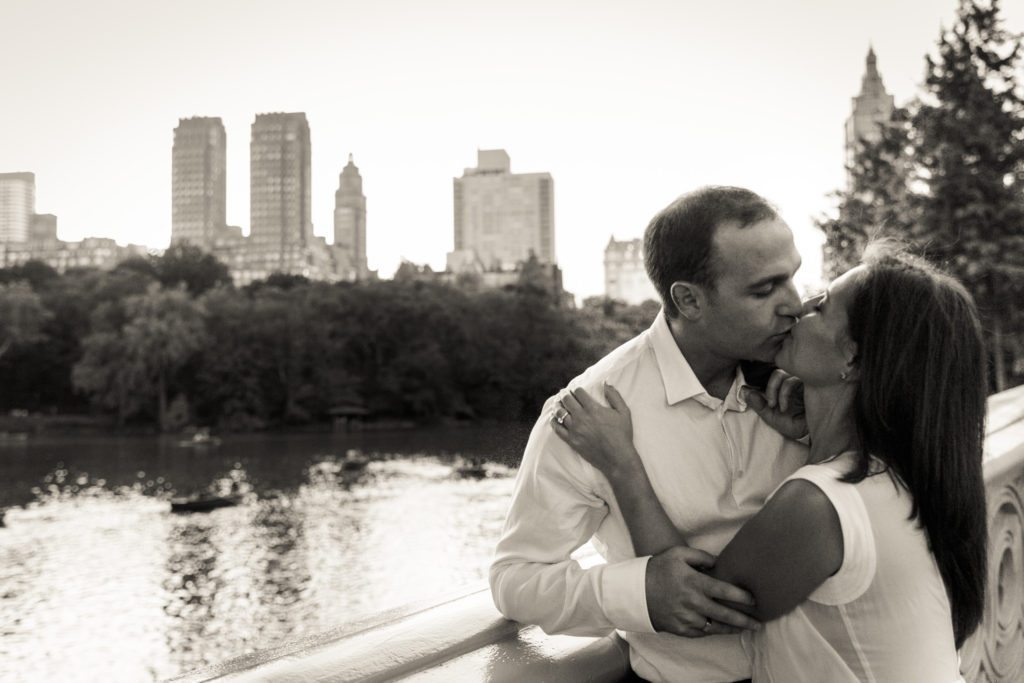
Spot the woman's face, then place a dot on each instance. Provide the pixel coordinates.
(819, 349)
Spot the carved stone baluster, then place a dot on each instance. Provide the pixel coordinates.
(995, 653)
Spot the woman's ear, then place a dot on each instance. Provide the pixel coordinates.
(689, 299)
(849, 351)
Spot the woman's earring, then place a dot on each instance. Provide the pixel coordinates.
(844, 375)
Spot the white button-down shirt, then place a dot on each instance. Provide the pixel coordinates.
(712, 464)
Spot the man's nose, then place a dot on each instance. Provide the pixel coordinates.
(791, 305)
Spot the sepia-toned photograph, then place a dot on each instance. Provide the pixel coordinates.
(501, 341)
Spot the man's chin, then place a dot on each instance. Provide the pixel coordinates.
(767, 354)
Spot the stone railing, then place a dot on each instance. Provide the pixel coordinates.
(465, 638)
(996, 651)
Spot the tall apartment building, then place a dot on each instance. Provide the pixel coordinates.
(350, 223)
(280, 222)
(872, 107)
(198, 181)
(502, 217)
(625, 277)
(17, 206)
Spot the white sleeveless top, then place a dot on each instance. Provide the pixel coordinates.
(884, 616)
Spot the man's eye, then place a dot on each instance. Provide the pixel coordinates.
(764, 292)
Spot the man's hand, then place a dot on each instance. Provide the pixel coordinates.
(681, 599)
(781, 405)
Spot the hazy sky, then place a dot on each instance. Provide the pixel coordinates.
(626, 104)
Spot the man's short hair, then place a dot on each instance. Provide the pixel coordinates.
(679, 239)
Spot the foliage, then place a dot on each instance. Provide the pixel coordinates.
(22, 316)
(188, 265)
(948, 177)
(878, 201)
(286, 350)
(137, 348)
(971, 155)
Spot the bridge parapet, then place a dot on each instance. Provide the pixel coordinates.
(465, 638)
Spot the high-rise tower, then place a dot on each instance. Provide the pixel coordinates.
(279, 189)
(502, 217)
(198, 181)
(350, 221)
(17, 206)
(871, 108)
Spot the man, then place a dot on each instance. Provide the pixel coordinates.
(723, 263)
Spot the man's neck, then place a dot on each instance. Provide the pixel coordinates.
(714, 372)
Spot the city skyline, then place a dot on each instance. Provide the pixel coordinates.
(625, 107)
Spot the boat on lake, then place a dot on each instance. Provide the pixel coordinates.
(204, 503)
(471, 468)
(354, 461)
(201, 439)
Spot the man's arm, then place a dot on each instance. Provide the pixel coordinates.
(554, 511)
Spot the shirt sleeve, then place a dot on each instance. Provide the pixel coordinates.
(859, 556)
(554, 511)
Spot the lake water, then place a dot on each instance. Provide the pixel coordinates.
(99, 580)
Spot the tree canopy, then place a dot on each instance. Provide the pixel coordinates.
(947, 176)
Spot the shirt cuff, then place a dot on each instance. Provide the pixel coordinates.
(624, 595)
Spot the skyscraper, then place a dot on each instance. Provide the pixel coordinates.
(279, 189)
(17, 205)
(350, 222)
(872, 107)
(198, 183)
(502, 217)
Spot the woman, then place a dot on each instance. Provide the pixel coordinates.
(867, 564)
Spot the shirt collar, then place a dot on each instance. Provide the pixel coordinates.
(678, 377)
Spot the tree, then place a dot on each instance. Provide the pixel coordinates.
(187, 264)
(124, 364)
(36, 273)
(22, 316)
(971, 156)
(878, 201)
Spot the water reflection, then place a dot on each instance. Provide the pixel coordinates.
(99, 580)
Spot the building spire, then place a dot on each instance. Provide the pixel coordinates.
(871, 84)
(871, 109)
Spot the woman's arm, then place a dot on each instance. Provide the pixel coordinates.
(785, 551)
(604, 437)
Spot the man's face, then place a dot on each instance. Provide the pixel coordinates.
(754, 302)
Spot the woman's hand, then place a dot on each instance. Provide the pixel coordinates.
(602, 435)
(781, 405)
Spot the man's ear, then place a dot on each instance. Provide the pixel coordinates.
(689, 299)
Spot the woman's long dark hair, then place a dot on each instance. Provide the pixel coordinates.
(920, 408)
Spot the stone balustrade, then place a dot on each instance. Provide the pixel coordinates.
(465, 639)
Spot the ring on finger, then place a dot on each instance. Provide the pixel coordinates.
(561, 415)
(707, 625)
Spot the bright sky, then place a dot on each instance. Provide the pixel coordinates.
(626, 105)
